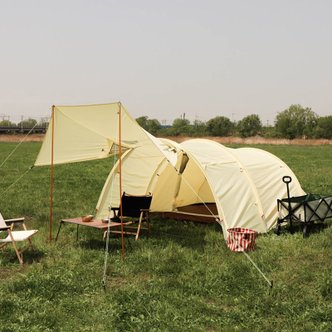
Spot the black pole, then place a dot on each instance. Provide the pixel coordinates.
(287, 179)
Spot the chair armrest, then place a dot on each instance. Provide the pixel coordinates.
(4, 228)
(15, 220)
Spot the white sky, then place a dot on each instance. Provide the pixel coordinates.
(165, 58)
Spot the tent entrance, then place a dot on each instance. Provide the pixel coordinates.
(195, 212)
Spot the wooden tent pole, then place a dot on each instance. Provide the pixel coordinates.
(52, 176)
(120, 173)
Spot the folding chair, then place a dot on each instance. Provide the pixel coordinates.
(16, 236)
(135, 209)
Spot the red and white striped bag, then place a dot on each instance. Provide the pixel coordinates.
(241, 239)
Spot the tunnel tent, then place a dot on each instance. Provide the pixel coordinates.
(243, 184)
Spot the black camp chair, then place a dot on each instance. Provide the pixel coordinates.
(135, 209)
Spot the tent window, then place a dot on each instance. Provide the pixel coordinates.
(184, 163)
(115, 149)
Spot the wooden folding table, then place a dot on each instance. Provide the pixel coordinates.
(96, 223)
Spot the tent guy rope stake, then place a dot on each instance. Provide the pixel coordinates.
(108, 233)
(106, 249)
(270, 283)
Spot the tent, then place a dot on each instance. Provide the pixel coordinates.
(243, 184)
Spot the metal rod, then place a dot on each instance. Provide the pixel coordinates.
(120, 182)
(52, 176)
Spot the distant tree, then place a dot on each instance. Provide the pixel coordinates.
(181, 127)
(324, 127)
(29, 123)
(150, 125)
(219, 126)
(250, 125)
(296, 121)
(153, 126)
(142, 120)
(268, 132)
(199, 128)
(7, 123)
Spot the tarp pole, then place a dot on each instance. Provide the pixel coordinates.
(120, 173)
(52, 175)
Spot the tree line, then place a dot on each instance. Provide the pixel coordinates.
(294, 122)
(27, 123)
(25, 126)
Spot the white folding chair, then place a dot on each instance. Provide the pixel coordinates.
(16, 236)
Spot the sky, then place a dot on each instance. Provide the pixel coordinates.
(163, 59)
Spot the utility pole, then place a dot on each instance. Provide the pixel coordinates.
(4, 117)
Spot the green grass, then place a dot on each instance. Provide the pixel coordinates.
(183, 278)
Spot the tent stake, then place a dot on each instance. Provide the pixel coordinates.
(270, 283)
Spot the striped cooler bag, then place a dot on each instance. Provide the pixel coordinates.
(241, 239)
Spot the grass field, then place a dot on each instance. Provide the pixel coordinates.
(183, 278)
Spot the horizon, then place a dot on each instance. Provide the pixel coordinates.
(161, 60)
(163, 123)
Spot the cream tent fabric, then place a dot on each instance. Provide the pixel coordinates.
(92, 132)
(244, 183)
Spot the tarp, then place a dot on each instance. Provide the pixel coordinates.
(91, 132)
(244, 183)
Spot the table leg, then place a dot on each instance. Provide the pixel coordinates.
(57, 234)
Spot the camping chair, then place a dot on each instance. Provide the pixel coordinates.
(135, 209)
(16, 236)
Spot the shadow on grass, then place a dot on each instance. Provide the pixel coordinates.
(33, 256)
(29, 257)
(185, 233)
(115, 243)
(312, 228)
